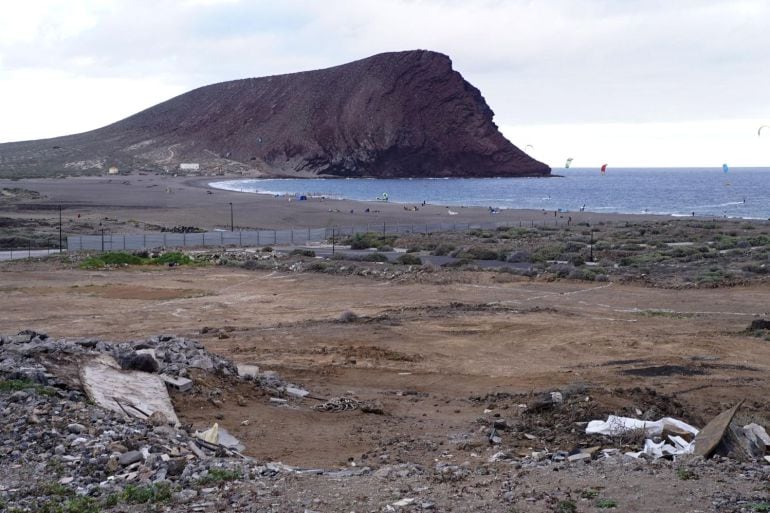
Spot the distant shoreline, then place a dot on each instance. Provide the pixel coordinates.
(128, 203)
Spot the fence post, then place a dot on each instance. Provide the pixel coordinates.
(203, 241)
(383, 228)
(291, 237)
(240, 238)
(275, 237)
(144, 240)
(257, 237)
(184, 239)
(164, 240)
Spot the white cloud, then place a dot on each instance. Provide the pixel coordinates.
(539, 64)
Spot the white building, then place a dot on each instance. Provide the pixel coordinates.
(190, 166)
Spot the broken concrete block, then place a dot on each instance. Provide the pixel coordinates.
(758, 431)
(296, 391)
(177, 383)
(707, 440)
(581, 456)
(248, 371)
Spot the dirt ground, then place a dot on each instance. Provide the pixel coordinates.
(434, 352)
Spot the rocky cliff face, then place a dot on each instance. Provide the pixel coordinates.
(401, 114)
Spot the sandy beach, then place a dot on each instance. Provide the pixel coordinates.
(137, 202)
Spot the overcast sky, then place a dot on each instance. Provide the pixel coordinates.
(627, 82)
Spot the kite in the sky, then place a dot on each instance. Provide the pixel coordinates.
(604, 168)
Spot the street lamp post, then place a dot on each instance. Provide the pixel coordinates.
(232, 228)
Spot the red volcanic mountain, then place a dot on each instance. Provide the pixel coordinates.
(400, 114)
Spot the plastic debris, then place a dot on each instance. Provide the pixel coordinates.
(676, 431)
(615, 425)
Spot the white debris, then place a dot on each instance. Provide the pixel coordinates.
(403, 502)
(133, 393)
(295, 391)
(615, 425)
(758, 431)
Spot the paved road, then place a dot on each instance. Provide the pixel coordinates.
(20, 254)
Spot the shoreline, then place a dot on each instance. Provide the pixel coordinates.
(560, 212)
(131, 203)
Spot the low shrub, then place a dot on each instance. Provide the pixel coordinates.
(374, 257)
(409, 259)
(303, 252)
(172, 258)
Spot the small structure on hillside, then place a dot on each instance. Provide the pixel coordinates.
(113, 170)
(189, 166)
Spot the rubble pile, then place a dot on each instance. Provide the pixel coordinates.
(22, 355)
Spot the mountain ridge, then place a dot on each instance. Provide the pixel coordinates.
(391, 115)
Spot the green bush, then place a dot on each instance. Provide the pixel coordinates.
(143, 494)
(173, 257)
(407, 259)
(120, 258)
(370, 240)
(111, 258)
(478, 253)
(443, 249)
(303, 252)
(550, 252)
(220, 475)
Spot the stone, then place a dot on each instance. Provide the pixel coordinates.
(139, 361)
(76, 428)
(18, 396)
(185, 495)
(581, 456)
(176, 466)
(130, 457)
(709, 438)
(201, 362)
(117, 447)
(158, 418)
(113, 464)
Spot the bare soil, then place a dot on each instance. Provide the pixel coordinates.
(434, 351)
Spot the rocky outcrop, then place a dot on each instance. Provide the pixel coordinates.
(401, 114)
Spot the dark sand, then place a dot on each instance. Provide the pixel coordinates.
(189, 201)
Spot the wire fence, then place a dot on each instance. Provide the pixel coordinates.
(32, 249)
(106, 241)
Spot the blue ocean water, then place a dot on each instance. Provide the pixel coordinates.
(739, 193)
